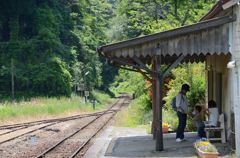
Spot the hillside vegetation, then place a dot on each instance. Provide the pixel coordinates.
(48, 48)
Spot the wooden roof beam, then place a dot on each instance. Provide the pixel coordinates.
(122, 62)
(173, 65)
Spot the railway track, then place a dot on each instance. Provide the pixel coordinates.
(69, 147)
(32, 123)
(44, 123)
(17, 127)
(64, 137)
(27, 124)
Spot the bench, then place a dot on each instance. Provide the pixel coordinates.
(220, 128)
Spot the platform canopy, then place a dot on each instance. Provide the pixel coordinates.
(185, 44)
(193, 41)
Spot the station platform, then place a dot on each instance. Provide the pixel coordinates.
(117, 142)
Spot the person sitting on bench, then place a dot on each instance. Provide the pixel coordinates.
(213, 114)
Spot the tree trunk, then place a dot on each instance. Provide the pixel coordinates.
(14, 27)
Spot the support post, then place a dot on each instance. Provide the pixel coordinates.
(237, 108)
(157, 82)
(158, 86)
(154, 102)
(234, 37)
(159, 78)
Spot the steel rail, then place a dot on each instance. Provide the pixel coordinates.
(27, 133)
(92, 136)
(58, 121)
(74, 133)
(5, 127)
(51, 124)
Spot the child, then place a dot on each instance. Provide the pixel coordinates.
(213, 114)
(199, 122)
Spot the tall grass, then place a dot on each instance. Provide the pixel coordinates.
(51, 106)
(135, 114)
(101, 99)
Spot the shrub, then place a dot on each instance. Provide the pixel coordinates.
(194, 75)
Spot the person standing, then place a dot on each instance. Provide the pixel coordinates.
(182, 110)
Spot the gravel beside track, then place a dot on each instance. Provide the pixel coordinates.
(66, 137)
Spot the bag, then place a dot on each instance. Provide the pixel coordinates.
(173, 103)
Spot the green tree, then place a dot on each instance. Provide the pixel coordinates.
(31, 35)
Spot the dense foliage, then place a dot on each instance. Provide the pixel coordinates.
(49, 47)
(142, 17)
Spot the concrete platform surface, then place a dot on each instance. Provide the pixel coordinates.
(117, 142)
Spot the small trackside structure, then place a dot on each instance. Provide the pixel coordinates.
(215, 40)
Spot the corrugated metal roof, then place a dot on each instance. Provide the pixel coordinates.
(206, 37)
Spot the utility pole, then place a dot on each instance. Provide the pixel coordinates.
(12, 78)
(14, 33)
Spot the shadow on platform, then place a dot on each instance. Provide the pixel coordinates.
(143, 146)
